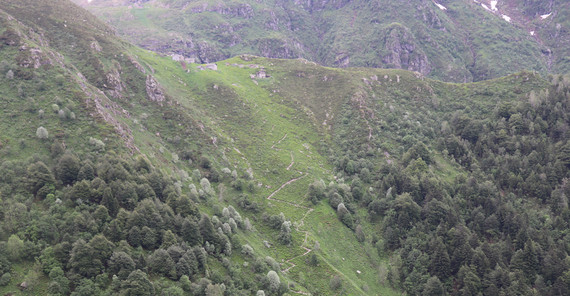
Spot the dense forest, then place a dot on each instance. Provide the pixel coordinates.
(500, 227)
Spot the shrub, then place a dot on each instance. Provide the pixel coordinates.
(247, 250)
(285, 233)
(335, 283)
(96, 144)
(274, 281)
(42, 133)
(5, 279)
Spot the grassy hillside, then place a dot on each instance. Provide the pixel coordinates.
(173, 177)
(457, 41)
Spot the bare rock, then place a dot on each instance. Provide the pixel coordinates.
(95, 46)
(403, 51)
(115, 84)
(33, 58)
(153, 90)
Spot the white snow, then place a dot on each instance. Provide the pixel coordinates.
(440, 6)
(506, 18)
(89, 1)
(531, 33)
(544, 16)
(486, 7)
(494, 5)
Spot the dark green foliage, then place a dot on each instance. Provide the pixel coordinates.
(68, 168)
(110, 202)
(5, 279)
(81, 192)
(86, 288)
(285, 233)
(316, 191)
(121, 264)
(335, 283)
(135, 236)
(419, 150)
(39, 176)
(102, 248)
(60, 283)
(86, 172)
(82, 261)
(190, 232)
(161, 263)
(345, 216)
(207, 230)
(440, 262)
(434, 287)
(137, 284)
(187, 265)
(149, 238)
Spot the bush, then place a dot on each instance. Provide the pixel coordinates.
(5, 279)
(335, 283)
(96, 144)
(42, 133)
(274, 281)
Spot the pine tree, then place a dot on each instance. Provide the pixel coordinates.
(121, 264)
(191, 233)
(161, 263)
(434, 287)
(68, 168)
(39, 176)
(137, 284)
(440, 263)
(110, 202)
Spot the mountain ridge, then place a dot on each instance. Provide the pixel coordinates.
(450, 41)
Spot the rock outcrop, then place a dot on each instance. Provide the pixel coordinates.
(154, 90)
(403, 52)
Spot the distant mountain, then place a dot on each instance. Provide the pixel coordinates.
(458, 41)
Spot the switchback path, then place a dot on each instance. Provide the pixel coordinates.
(301, 223)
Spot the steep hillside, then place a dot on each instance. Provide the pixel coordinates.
(458, 41)
(125, 172)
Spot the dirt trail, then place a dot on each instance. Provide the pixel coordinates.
(301, 223)
(273, 146)
(292, 162)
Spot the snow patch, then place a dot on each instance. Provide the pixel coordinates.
(531, 33)
(440, 6)
(89, 1)
(494, 5)
(506, 18)
(486, 7)
(544, 16)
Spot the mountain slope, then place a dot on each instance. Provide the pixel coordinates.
(457, 41)
(174, 152)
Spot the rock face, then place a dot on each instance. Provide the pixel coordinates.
(153, 90)
(32, 58)
(403, 53)
(115, 84)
